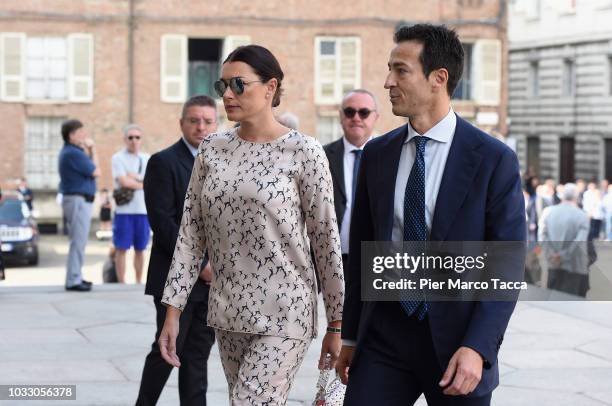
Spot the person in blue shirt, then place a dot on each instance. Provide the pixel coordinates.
(78, 169)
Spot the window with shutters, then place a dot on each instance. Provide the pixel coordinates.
(204, 65)
(41, 68)
(486, 71)
(46, 68)
(328, 128)
(190, 66)
(463, 91)
(43, 142)
(569, 78)
(337, 67)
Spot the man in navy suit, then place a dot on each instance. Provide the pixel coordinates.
(436, 178)
(165, 185)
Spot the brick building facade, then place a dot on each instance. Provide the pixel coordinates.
(110, 62)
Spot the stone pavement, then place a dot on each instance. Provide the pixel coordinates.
(555, 353)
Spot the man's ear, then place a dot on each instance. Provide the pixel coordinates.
(439, 79)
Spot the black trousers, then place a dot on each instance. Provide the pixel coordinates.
(397, 364)
(193, 348)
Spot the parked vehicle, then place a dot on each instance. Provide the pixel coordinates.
(18, 231)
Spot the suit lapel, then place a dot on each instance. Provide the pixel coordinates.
(184, 155)
(336, 165)
(388, 166)
(461, 167)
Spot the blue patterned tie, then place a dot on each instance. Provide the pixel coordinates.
(415, 226)
(357, 153)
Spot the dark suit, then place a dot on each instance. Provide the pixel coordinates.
(479, 199)
(335, 156)
(165, 185)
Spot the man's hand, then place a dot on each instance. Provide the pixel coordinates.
(463, 372)
(344, 362)
(206, 273)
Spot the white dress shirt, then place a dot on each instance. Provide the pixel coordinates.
(192, 149)
(436, 152)
(348, 164)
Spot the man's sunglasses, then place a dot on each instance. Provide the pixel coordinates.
(350, 112)
(236, 84)
(133, 137)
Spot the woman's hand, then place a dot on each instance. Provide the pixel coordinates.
(168, 335)
(332, 343)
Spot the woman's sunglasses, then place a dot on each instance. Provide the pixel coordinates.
(350, 112)
(236, 84)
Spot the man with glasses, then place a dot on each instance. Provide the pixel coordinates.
(130, 225)
(165, 186)
(358, 116)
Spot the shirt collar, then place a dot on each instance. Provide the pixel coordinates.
(441, 132)
(348, 147)
(192, 149)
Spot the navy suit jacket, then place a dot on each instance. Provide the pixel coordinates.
(480, 199)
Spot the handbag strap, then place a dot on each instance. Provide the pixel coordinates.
(139, 164)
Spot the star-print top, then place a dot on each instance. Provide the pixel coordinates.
(257, 208)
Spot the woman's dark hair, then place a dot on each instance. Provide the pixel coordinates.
(441, 49)
(264, 64)
(68, 127)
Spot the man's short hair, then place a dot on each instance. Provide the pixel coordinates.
(441, 49)
(362, 91)
(68, 127)
(570, 192)
(289, 120)
(199, 100)
(130, 127)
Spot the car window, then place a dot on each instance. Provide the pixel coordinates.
(13, 210)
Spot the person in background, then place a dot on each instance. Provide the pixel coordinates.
(580, 188)
(607, 208)
(563, 233)
(289, 120)
(26, 192)
(105, 215)
(130, 226)
(592, 205)
(358, 115)
(78, 170)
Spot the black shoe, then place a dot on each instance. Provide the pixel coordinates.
(84, 282)
(83, 287)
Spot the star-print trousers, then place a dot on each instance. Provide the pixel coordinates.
(259, 369)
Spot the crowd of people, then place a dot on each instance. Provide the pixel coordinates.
(563, 221)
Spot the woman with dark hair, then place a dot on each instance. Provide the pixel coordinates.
(260, 195)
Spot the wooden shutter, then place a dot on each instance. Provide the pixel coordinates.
(487, 71)
(326, 51)
(80, 68)
(12, 66)
(232, 42)
(350, 65)
(173, 68)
